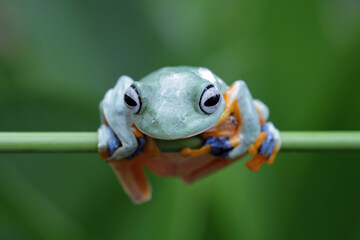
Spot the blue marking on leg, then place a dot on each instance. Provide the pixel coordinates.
(114, 143)
(267, 146)
(220, 146)
(141, 144)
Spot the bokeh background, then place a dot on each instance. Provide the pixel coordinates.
(57, 59)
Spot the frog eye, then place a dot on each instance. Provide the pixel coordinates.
(210, 99)
(132, 99)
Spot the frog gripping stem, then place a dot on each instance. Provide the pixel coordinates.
(178, 103)
(220, 146)
(265, 147)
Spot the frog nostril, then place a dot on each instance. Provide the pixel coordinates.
(182, 119)
(154, 120)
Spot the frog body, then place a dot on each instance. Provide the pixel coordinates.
(181, 102)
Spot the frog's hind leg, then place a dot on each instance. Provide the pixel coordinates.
(211, 167)
(265, 148)
(133, 179)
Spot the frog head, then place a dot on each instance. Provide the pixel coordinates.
(176, 102)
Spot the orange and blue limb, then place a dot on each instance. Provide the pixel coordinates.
(265, 148)
(188, 152)
(224, 137)
(114, 143)
(217, 140)
(129, 170)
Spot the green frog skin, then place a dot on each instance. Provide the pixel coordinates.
(180, 102)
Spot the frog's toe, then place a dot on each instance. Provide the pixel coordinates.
(141, 144)
(113, 142)
(272, 141)
(267, 149)
(220, 146)
(109, 145)
(188, 152)
(268, 145)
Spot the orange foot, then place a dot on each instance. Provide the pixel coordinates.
(259, 159)
(188, 152)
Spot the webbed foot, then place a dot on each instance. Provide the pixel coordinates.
(109, 143)
(188, 152)
(265, 147)
(218, 146)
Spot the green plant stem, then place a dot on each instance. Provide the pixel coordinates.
(15, 142)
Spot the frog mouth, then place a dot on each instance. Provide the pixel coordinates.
(195, 134)
(172, 137)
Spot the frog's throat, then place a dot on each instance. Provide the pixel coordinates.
(182, 137)
(197, 133)
(138, 133)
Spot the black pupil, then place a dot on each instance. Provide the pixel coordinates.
(129, 101)
(212, 101)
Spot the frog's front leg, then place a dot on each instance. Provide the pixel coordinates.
(242, 106)
(129, 170)
(109, 143)
(258, 137)
(239, 104)
(115, 116)
(120, 143)
(268, 143)
(251, 135)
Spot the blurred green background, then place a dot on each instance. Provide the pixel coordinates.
(57, 59)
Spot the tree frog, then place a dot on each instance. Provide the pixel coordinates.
(181, 102)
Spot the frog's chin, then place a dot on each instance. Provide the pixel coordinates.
(194, 134)
(164, 137)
